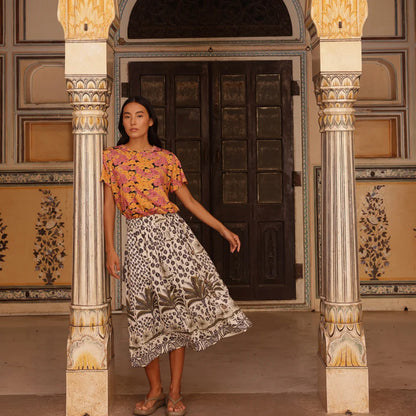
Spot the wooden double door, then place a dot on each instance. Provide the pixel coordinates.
(230, 124)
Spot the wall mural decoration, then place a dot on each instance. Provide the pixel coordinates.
(374, 234)
(386, 219)
(49, 249)
(3, 241)
(37, 209)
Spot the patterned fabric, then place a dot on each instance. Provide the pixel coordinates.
(141, 181)
(175, 297)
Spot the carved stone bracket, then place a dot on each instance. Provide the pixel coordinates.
(90, 341)
(339, 19)
(88, 19)
(90, 98)
(336, 94)
(341, 335)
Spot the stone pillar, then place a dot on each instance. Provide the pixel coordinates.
(88, 70)
(336, 29)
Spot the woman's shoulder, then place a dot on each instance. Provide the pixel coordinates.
(115, 155)
(166, 154)
(112, 149)
(115, 151)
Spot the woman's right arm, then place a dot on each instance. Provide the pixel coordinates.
(112, 262)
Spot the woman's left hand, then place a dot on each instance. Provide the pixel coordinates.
(232, 238)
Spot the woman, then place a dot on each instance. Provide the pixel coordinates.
(175, 297)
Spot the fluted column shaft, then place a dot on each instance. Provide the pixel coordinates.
(90, 338)
(342, 341)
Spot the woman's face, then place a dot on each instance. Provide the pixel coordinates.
(136, 120)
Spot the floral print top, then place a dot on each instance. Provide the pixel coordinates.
(141, 181)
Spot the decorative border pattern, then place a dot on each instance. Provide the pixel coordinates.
(206, 56)
(367, 288)
(30, 293)
(34, 177)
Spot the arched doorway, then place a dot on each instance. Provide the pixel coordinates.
(231, 124)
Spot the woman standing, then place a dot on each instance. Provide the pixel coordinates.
(175, 297)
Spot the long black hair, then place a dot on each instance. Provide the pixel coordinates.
(152, 132)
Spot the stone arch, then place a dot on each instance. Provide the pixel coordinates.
(293, 7)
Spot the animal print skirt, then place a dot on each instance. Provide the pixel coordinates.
(175, 297)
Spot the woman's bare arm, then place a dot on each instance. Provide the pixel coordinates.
(112, 262)
(200, 212)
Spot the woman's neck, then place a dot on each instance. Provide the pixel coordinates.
(139, 144)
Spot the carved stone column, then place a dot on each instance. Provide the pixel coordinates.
(88, 62)
(335, 29)
(342, 349)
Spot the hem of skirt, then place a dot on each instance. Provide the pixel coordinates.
(224, 330)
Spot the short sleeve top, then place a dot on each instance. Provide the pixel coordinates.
(141, 181)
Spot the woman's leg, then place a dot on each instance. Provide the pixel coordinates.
(153, 375)
(176, 358)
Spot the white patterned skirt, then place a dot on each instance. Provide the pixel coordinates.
(175, 297)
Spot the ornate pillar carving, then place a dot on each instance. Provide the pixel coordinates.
(89, 28)
(90, 336)
(335, 29)
(341, 340)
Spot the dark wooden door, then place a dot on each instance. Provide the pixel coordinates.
(252, 165)
(230, 123)
(180, 96)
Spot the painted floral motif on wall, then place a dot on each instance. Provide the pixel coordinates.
(49, 249)
(3, 241)
(374, 234)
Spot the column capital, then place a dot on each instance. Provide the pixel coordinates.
(90, 98)
(336, 94)
(86, 20)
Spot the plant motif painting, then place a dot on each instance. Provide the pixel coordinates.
(49, 249)
(374, 236)
(3, 241)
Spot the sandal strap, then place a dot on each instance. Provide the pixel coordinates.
(175, 402)
(146, 400)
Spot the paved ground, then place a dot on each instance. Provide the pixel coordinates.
(270, 370)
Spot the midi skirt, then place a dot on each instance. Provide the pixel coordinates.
(175, 297)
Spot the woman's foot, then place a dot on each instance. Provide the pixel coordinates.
(174, 404)
(153, 400)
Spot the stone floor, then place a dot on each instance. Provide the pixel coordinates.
(270, 370)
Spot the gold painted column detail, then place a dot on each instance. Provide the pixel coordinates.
(341, 333)
(90, 336)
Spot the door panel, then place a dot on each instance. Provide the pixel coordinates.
(179, 93)
(252, 141)
(230, 124)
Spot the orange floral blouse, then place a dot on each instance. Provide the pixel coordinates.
(141, 181)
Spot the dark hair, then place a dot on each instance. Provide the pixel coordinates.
(152, 133)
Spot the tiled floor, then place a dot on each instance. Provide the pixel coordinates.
(270, 370)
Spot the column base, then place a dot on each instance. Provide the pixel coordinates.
(343, 388)
(89, 392)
